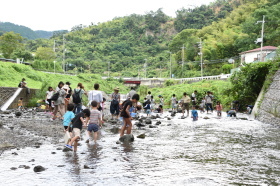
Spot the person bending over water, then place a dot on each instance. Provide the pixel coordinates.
(126, 115)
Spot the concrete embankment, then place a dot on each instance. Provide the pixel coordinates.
(269, 110)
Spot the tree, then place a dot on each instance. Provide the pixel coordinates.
(44, 53)
(9, 42)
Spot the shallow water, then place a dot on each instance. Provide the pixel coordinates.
(224, 151)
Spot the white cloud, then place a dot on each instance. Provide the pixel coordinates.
(64, 14)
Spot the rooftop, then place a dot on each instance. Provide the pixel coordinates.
(265, 48)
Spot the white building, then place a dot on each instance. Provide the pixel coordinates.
(255, 54)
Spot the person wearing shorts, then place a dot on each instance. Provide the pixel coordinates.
(126, 115)
(67, 118)
(80, 120)
(49, 95)
(186, 103)
(94, 121)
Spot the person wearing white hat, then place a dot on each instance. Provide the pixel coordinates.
(116, 98)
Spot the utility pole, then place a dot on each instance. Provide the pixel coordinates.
(201, 55)
(183, 55)
(145, 66)
(54, 46)
(108, 69)
(170, 64)
(63, 53)
(262, 35)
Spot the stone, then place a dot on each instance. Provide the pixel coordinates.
(127, 138)
(22, 166)
(18, 113)
(53, 153)
(7, 112)
(142, 136)
(86, 167)
(14, 153)
(59, 148)
(169, 124)
(206, 117)
(168, 118)
(31, 160)
(61, 166)
(151, 126)
(66, 150)
(26, 167)
(118, 142)
(1, 124)
(173, 114)
(115, 130)
(153, 117)
(39, 168)
(179, 110)
(148, 121)
(13, 168)
(158, 123)
(139, 124)
(243, 118)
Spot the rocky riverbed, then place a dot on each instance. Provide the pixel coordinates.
(166, 150)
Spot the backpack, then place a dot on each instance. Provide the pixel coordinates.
(76, 97)
(19, 85)
(55, 96)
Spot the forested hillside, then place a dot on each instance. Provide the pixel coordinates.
(141, 44)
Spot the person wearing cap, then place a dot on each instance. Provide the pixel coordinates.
(114, 107)
(59, 103)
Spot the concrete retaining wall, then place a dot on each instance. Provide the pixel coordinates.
(7, 92)
(269, 111)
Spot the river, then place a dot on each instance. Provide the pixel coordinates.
(215, 151)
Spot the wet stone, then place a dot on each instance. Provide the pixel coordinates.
(158, 123)
(61, 166)
(59, 148)
(142, 136)
(18, 114)
(13, 168)
(127, 138)
(53, 153)
(86, 167)
(31, 160)
(139, 124)
(148, 121)
(14, 153)
(152, 126)
(206, 117)
(39, 168)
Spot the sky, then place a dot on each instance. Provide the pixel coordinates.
(53, 15)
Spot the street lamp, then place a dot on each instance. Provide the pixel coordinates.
(201, 54)
(170, 64)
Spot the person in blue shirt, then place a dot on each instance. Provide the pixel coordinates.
(148, 108)
(67, 118)
(194, 113)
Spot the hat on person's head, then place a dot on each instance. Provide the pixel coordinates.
(65, 87)
(117, 89)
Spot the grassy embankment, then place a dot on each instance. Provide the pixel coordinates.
(11, 74)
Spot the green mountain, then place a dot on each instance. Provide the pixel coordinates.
(24, 31)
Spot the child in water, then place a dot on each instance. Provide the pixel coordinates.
(194, 113)
(219, 108)
(148, 108)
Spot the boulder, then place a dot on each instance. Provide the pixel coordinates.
(206, 117)
(7, 112)
(13, 168)
(39, 168)
(173, 114)
(142, 136)
(153, 117)
(148, 121)
(168, 118)
(127, 138)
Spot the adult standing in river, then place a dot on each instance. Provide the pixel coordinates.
(95, 95)
(185, 101)
(59, 103)
(131, 93)
(77, 98)
(115, 101)
(209, 102)
(67, 98)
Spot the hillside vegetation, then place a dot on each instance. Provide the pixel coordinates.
(124, 45)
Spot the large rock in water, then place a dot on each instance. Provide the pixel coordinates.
(141, 136)
(127, 138)
(38, 168)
